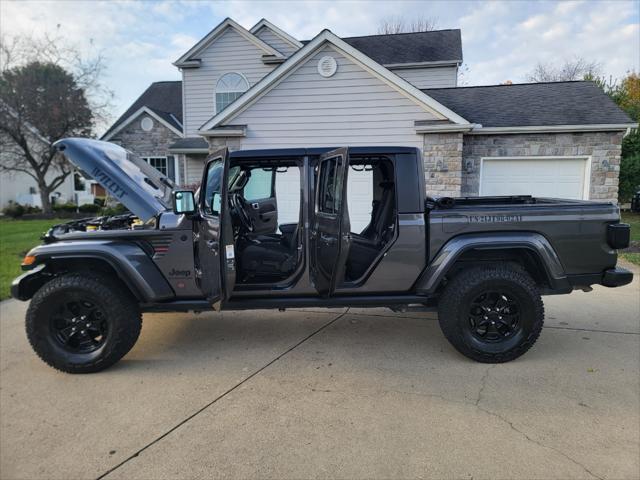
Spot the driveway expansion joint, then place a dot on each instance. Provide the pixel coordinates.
(220, 397)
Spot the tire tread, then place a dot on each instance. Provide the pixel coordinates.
(121, 303)
(449, 309)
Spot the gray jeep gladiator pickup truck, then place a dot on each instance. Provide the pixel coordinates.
(287, 228)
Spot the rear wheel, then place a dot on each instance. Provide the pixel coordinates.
(82, 322)
(491, 314)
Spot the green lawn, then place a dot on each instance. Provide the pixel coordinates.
(632, 219)
(16, 238)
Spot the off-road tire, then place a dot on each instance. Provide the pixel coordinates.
(456, 302)
(117, 303)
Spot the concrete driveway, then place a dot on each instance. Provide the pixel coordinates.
(332, 393)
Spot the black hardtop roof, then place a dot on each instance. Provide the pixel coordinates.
(301, 152)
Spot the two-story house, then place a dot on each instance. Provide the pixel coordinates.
(262, 88)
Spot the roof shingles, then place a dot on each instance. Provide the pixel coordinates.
(532, 104)
(419, 47)
(163, 98)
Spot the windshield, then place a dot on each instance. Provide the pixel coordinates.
(213, 188)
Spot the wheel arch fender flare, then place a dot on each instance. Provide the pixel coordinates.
(433, 275)
(129, 261)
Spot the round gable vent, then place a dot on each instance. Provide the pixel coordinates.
(146, 124)
(327, 66)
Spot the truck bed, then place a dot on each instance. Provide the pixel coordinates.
(576, 229)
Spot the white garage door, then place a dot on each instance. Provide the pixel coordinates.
(541, 177)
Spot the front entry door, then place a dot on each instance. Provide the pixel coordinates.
(215, 250)
(329, 236)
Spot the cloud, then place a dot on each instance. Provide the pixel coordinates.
(501, 39)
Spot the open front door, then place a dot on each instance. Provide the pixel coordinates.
(330, 227)
(215, 249)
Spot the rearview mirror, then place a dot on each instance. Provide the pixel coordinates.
(184, 202)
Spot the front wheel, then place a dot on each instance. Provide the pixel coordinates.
(82, 322)
(491, 314)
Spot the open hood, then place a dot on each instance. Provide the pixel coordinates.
(133, 182)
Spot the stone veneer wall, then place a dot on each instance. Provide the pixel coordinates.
(218, 142)
(146, 144)
(442, 155)
(603, 147)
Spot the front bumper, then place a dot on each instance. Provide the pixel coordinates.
(616, 277)
(24, 286)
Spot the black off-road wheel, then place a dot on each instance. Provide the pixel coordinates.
(491, 314)
(82, 322)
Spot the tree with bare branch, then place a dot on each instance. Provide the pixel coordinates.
(393, 25)
(48, 91)
(572, 69)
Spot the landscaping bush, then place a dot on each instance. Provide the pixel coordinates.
(65, 207)
(89, 208)
(629, 177)
(15, 210)
(118, 209)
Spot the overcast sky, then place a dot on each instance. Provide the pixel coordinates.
(501, 40)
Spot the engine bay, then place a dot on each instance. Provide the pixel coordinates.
(124, 221)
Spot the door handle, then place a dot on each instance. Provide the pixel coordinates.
(255, 206)
(212, 244)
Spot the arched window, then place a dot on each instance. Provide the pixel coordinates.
(229, 87)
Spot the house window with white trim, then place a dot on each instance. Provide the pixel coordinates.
(229, 88)
(159, 163)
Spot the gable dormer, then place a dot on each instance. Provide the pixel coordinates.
(276, 37)
(424, 59)
(219, 68)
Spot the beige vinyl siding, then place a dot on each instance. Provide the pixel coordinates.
(433, 77)
(193, 167)
(267, 36)
(353, 107)
(228, 53)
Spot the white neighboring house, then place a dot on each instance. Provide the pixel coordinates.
(19, 187)
(262, 88)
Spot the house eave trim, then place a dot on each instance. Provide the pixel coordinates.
(441, 63)
(449, 128)
(604, 127)
(194, 63)
(136, 114)
(278, 31)
(188, 150)
(327, 36)
(224, 132)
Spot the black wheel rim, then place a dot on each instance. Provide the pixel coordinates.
(494, 316)
(79, 325)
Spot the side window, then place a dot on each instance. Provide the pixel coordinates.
(329, 194)
(213, 188)
(259, 185)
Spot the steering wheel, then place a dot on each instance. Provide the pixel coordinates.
(241, 207)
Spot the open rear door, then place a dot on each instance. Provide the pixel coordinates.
(329, 236)
(215, 249)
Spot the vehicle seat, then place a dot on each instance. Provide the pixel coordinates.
(273, 256)
(381, 216)
(287, 229)
(365, 247)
